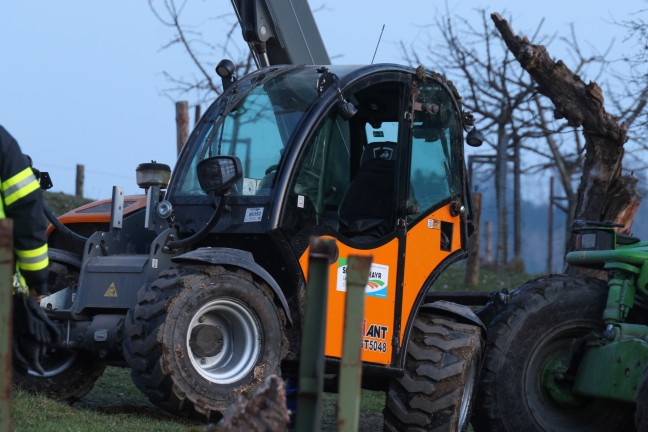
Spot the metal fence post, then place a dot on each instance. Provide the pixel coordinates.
(311, 359)
(348, 407)
(6, 324)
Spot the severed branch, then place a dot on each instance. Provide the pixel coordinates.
(604, 193)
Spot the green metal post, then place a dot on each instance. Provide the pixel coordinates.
(311, 360)
(348, 408)
(6, 324)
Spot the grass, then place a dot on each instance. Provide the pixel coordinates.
(489, 280)
(114, 404)
(61, 203)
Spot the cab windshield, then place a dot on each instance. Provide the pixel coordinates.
(256, 131)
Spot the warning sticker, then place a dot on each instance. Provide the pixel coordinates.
(111, 291)
(377, 284)
(434, 224)
(250, 186)
(253, 214)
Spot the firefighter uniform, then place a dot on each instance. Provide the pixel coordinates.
(21, 200)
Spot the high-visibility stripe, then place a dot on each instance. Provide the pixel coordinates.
(2, 213)
(18, 186)
(33, 259)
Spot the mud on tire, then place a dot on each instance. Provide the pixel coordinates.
(441, 369)
(201, 336)
(534, 329)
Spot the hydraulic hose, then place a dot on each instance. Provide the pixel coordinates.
(177, 244)
(59, 226)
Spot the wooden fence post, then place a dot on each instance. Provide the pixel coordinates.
(80, 178)
(6, 322)
(472, 262)
(196, 114)
(182, 124)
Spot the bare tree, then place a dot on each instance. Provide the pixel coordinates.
(203, 54)
(604, 193)
(515, 116)
(498, 92)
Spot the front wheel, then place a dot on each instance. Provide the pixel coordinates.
(200, 337)
(525, 383)
(441, 369)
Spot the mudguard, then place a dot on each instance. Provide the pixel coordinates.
(237, 258)
(464, 313)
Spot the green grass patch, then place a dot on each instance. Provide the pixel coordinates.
(114, 404)
(61, 203)
(490, 280)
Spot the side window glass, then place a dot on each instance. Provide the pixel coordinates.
(321, 178)
(435, 170)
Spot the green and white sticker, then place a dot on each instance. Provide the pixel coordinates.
(377, 284)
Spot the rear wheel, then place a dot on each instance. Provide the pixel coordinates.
(200, 337)
(529, 342)
(641, 413)
(441, 369)
(69, 375)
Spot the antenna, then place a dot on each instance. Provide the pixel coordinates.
(378, 44)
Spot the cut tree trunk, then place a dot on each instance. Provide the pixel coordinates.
(604, 193)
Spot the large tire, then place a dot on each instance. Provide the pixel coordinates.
(441, 370)
(641, 413)
(201, 336)
(68, 375)
(537, 327)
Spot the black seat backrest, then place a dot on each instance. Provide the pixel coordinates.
(368, 207)
(378, 150)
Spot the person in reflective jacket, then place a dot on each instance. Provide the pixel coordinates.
(21, 200)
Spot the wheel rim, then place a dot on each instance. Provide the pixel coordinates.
(224, 340)
(54, 362)
(581, 414)
(466, 398)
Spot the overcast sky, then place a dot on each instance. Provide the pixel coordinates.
(81, 81)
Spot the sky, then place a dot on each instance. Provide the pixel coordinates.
(81, 82)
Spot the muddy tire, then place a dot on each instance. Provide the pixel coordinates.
(201, 336)
(641, 413)
(441, 370)
(68, 375)
(534, 330)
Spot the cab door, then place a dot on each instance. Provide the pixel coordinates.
(346, 188)
(436, 183)
(385, 182)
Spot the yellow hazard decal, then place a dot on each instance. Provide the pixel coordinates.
(111, 291)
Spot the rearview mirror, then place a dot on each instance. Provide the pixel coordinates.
(219, 173)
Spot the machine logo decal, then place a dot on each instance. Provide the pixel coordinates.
(374, 337)
(111, 291)
(253, 214)
(377, 284)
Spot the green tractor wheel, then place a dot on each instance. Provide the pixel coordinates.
(525, 384)
(641, 413)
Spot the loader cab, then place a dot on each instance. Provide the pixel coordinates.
(372, 158)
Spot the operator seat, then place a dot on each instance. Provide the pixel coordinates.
(367, 210)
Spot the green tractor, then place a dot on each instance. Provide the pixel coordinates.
(569, 353)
